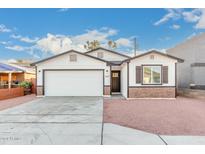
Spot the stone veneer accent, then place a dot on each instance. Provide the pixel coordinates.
(106, 90)
(39, 90)
(152, 92)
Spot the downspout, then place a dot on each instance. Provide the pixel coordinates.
(128, 79)
(110, 79)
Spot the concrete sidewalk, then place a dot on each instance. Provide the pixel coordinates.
(119, 135)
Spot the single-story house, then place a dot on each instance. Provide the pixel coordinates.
(11, 75)
(102, 72)
(191, 73)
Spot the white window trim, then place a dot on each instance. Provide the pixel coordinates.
(151, 75)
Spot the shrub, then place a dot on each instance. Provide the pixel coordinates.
(25, 84)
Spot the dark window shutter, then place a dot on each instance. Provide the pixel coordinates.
(138, 74)
(165, 74)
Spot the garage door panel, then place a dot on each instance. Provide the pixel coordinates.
(73, 83)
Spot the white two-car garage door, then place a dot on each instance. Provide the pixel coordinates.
(73, 83)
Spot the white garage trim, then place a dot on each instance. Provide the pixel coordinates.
(44, 70)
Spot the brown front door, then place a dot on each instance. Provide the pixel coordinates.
(115, 81)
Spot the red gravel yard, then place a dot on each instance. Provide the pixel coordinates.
(181, 116)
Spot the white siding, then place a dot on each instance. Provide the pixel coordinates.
(116, 68)
(124, 80)
(107, 76)
(63, 62)
(158, 60)
(109, 56)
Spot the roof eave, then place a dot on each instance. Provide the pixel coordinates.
(157, 52)
(40, 61)
(12, 72)
(178, 59)
(109, 51)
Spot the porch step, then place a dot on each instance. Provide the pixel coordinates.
(115, 96)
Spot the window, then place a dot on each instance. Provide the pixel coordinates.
(115, 75)
(100, 54)
(73, 58)
(152, 74)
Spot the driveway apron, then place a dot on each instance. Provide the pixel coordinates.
(53, 120)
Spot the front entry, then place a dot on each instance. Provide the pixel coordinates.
(115, 81)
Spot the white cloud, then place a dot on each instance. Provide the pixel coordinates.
(15, 48)
(201, 22)
(24, 39)
(4, 42)
(57, 43)
(175, 26)
(60, 43)
(172, 14)
(101, 35)
(31, 50)
(192, 16)
(63, 10)
(11, 60)
(124, 42)
(3, 28)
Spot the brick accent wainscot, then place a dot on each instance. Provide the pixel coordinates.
(39, 90)
(152, 92)
(106, 90)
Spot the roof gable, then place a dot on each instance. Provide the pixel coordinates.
(64, 53)
(156, 52)
(108, 50)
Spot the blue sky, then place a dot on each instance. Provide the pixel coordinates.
(38, 33)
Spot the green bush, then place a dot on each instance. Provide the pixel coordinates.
(25, 84)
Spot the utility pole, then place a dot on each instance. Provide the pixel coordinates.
(135, 46)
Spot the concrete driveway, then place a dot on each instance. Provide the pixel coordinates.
(53, 120)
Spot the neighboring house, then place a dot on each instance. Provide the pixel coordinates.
(192, 71)
(104, 72)
(11, 75)
(22, 63)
